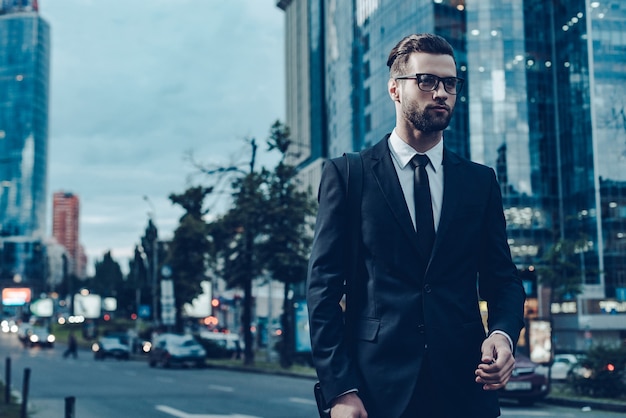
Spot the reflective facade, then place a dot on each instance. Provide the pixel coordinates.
(543, 105)
(24, 77)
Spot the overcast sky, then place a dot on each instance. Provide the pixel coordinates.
(136, 85)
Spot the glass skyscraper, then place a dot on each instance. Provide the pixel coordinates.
(24, 78)
(543, 105)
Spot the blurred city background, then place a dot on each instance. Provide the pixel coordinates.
(543, 105)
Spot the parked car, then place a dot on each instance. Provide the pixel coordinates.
(528, 383)
(9, 325)
(221, 344)
(564, 365)
(32, 336)
(174, 349)
(110, 347)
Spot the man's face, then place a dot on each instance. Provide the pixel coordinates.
(427, 111)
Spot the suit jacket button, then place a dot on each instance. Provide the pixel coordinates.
(427, 288)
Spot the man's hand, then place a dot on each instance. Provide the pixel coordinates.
(497, 362)
(348, 406)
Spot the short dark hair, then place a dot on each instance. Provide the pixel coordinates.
(419, 42)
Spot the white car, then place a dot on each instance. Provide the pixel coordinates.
(110, 347)
(170, 349)
(563, 365)
(32, 336)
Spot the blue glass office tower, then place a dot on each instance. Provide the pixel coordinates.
(24, 75)
(544, 105)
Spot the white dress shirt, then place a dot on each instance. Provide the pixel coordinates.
(401, 155)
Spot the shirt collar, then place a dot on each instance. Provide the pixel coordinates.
(403, 152)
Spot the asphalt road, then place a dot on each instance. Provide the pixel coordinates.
(124, 389)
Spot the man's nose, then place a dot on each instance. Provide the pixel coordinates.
(440, 91)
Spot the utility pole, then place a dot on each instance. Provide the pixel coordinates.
(247, 290)
(152, 236)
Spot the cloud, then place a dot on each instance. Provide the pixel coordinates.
(135, 85)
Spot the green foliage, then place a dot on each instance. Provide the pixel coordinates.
(288, 217)
(267, 230)
(608, 373)
(241, 228)
(561, 270)
(108, 278)
(188, 250)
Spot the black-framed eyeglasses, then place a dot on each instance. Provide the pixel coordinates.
(430, 82)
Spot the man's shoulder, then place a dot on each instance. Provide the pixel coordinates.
(451, 157)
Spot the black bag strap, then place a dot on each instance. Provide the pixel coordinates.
(354, 190)
(354, 185)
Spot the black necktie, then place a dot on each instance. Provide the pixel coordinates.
(423, 206)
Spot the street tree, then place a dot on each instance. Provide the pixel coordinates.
(109, 281)
(187, 252)
(288, 221)
(138, 278)
(560, 271)
(237, 235)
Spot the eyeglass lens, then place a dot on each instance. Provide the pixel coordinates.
(428, 82)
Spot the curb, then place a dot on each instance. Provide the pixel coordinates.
(582, 403)
(554, 400)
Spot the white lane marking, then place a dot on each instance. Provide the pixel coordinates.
(171, 411)
(527, 412)
(221, 388)
(302, 400)
(180, 414)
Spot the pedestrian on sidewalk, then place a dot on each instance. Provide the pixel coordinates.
(72, 346)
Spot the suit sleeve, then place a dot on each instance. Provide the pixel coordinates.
(499, 283)
(325, 285)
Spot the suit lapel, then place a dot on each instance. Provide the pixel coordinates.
(452, 188)
(385, 174)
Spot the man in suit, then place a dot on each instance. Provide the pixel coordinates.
(415, 346)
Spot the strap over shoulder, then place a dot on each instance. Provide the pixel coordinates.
(353, 197)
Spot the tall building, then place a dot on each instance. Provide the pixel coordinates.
(65, 229)
(24, 79)
(543, 105)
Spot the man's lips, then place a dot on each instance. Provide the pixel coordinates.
(439, 108)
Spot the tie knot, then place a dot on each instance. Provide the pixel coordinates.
(420, 160)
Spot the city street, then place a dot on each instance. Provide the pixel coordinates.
(119, 389)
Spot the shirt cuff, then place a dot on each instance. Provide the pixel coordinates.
(506, 335)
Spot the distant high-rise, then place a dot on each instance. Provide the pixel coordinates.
(543, 104)
(65, 229)
(24, 78)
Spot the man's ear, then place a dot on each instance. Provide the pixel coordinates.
(392, 88)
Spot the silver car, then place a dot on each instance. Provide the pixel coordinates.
(175, 349)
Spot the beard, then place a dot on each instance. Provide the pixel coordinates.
(425, 120)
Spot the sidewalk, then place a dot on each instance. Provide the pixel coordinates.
(559, 395)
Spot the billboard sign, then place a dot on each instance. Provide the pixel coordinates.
(303, 339)
(88, 306)
(15, 296)
(43, 308)
(540, 341)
